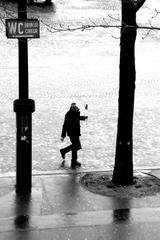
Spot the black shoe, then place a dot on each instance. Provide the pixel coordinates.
(62, 154)
(75, 164)
(63, 163)
(78, 164)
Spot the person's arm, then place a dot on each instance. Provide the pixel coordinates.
(83, 118)
(64, 129)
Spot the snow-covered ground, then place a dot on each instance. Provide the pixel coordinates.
(153, 4)
(81, 66)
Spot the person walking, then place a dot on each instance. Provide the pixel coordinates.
(71, 127)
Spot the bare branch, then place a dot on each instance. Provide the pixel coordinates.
(94, 24)
(147, 34)
(156, 14)
(104, 24)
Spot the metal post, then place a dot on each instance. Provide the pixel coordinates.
(23, 68)
(23, 108)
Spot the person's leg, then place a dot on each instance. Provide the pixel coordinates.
(74, 162)
(74, 158)
(75, 147)
(65, 150)
(74, 155)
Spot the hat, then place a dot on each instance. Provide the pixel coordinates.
(73, 105)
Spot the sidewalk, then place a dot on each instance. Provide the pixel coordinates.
(60, 208)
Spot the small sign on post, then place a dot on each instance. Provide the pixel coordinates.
(27, 28)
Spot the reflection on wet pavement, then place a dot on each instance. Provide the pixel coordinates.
(121, 215)
(80, 66)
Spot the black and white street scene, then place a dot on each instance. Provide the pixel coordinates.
(79, 119)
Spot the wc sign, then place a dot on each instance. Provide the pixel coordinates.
(28, 28)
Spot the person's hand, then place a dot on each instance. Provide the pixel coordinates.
(62, 139)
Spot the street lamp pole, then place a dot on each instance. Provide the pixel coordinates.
(24, 107)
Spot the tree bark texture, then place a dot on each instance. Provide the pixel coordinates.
(123, 168)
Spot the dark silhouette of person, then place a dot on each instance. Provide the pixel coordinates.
(71, 128)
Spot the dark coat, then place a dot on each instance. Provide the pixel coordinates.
(71, 126)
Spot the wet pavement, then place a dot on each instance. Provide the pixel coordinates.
(79, 66)
(60, 208)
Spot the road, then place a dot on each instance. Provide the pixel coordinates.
(82, 67)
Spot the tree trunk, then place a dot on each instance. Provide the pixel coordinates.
(123, 168)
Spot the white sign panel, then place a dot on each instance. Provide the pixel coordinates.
(28, 28)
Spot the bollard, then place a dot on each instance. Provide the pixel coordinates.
(24, 109)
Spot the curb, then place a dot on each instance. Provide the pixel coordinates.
(77, 171)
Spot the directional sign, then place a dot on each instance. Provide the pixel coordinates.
(28, 28)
